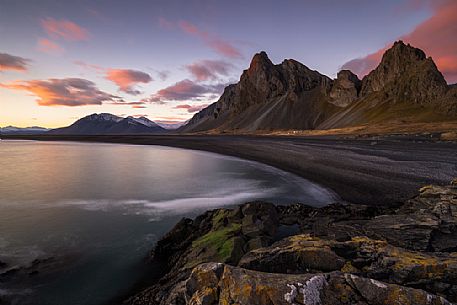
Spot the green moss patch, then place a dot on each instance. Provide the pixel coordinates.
(220, 242)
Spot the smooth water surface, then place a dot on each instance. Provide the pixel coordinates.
(91, 212)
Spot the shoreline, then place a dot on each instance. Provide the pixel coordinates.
(375, 170)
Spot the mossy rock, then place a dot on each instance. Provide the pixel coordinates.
(219, 244)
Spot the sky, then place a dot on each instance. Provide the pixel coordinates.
(61, 60)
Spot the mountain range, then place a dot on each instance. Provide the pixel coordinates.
(24, 130)
(405, 87)
(106, 123)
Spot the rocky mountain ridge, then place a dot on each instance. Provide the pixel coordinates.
(23, 130)
(405, 87)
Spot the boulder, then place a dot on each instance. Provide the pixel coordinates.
(216, 283)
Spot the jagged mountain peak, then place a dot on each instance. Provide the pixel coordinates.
(260, 62)
(405, 74)
(405, 86)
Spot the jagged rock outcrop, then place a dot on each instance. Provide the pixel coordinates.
(269, 97)
(364, 255)
(345, 89)
(215, 283)
(405, 87)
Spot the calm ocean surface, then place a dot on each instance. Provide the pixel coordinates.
(77, 220)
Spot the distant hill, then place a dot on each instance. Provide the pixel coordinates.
(105, 123)
(405, 87)
(23, 130)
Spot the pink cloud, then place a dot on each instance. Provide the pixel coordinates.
(64, 29)
(50, 47)
(208, 69)
(436, 36)
(63, 92)
(89, 66)
(12, 63)
(191, 108)
(127, 79)
(216, 43)
(183, 90)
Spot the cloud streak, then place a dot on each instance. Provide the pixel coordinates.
(10, 62)
(209, 69)
(63, 92)
(436, 36)
(216, 43)
(50, 47)
(64, 29)
(182, 91)
(127, 79)
(191, 108)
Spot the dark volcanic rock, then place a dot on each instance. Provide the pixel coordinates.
(346, 88)
(376, 259)
(283, 96)
(405, 74)
(406, 86)
(426, 222)
(346, 254)
(216, 283)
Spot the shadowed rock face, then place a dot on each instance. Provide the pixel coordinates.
(406, 74)
(405, 86)
(345, 89)
(341, 254)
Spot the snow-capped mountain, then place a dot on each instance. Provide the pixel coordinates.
(106, 123)
(171, 126)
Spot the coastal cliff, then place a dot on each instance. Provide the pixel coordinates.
(259, 253)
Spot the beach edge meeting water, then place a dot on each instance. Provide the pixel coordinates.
(99, 216)
(388, 150)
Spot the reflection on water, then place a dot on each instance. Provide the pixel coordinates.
(77, 219)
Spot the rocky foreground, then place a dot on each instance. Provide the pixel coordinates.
(259, 253)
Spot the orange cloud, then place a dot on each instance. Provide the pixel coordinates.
(63, 92)
(64, 29)
(127, 79)
(48, 46)
(11, 62)
(436, 36)
(208, 69)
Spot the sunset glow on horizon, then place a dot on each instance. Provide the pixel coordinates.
(166, 60)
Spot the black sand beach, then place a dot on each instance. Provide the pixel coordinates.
(369, 170)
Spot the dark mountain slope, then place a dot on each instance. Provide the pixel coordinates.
(105, 123)
(405, 87)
